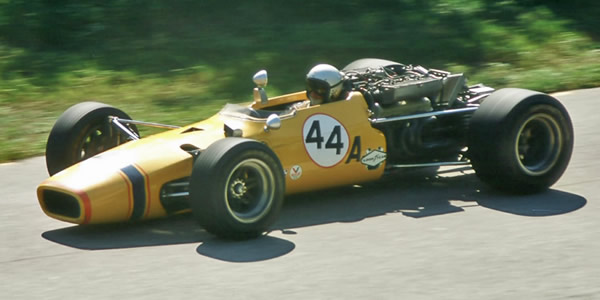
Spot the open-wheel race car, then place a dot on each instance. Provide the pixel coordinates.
(233, 169)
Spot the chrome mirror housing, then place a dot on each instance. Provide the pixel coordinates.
(260, 78)
(273, 122)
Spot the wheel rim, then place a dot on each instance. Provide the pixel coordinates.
(539, 144)
(97, 139)
(249, 190)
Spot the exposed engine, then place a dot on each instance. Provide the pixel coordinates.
(397, 90)
(414, 88)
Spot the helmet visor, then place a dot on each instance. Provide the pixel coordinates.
(317, 91)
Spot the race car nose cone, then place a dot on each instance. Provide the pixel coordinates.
(60, 203)
(63, 204)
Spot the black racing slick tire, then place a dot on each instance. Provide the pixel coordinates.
(236, 188)
(520, 141)
(81, 132)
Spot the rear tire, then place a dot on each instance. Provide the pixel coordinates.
(81, 132)
(364, 63)
(236, 188)
(520, 141)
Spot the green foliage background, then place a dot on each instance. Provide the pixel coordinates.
(179, 61)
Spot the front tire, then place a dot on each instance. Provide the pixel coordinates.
(236, 188)
(81, 132)
(520, 141)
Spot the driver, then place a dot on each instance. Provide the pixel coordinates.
(324, 84)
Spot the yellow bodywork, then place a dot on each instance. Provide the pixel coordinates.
(124, 183)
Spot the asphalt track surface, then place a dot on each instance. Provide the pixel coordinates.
(412, 236)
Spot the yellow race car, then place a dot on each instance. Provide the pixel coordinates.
(233, 169)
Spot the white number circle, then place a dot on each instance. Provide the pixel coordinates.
(325, 140)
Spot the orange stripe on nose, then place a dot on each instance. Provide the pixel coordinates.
(87, 207)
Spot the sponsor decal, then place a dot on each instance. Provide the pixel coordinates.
(325, 139)
(295, 172)
(373, 158)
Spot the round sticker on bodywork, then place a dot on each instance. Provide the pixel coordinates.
(295, 172)
(325, 139)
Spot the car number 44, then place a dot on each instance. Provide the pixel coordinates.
(325, 139)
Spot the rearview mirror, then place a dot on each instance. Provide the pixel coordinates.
(260, 78)
(273, 122)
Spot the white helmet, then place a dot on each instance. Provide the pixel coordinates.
(323, 84)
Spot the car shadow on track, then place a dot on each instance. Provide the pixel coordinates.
(419, 195)
(413, 194)
(180, 229)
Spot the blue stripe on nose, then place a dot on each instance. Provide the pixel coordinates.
(139, 191)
